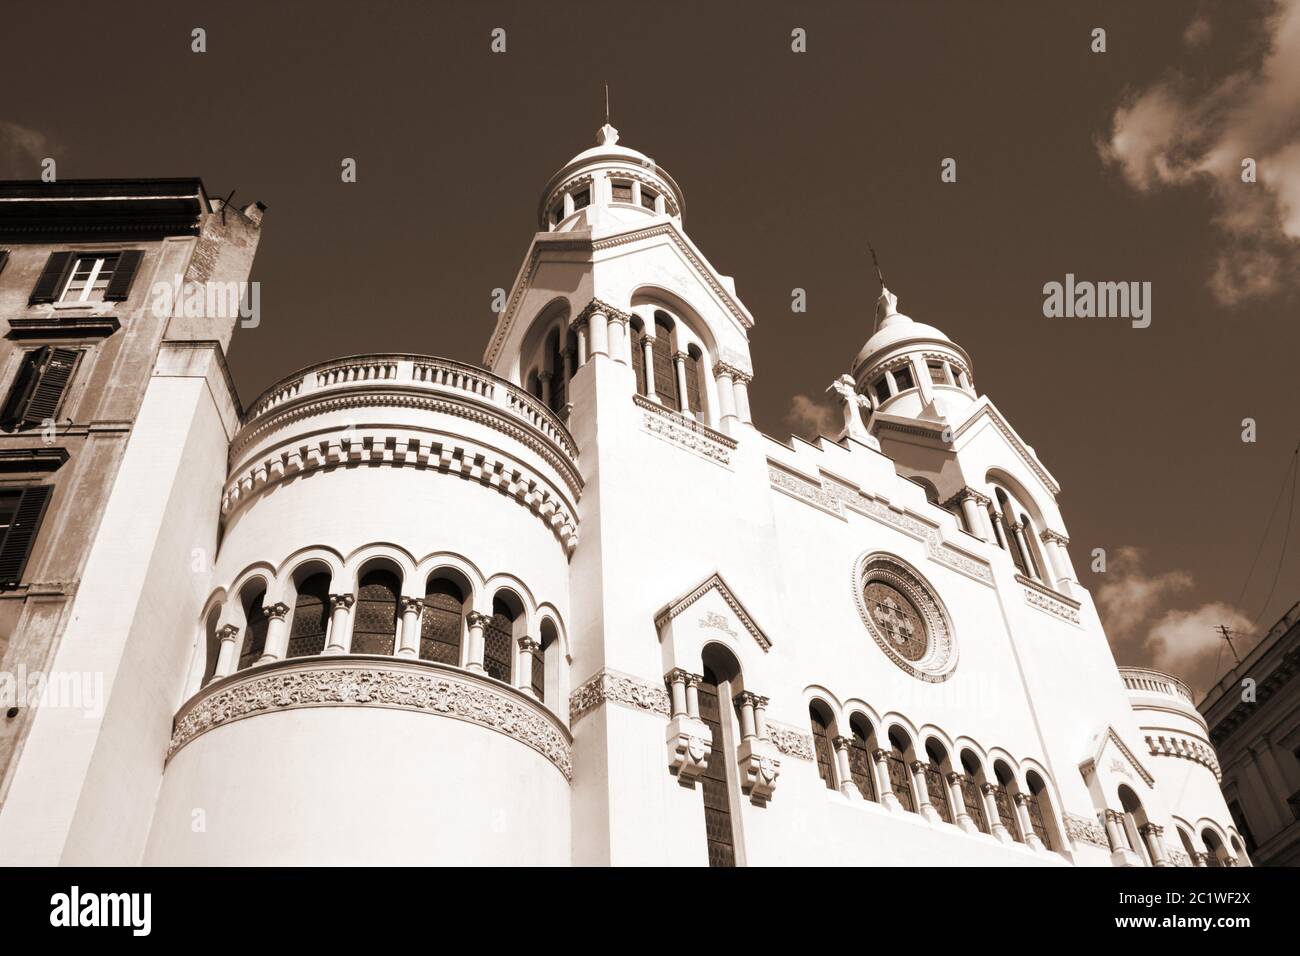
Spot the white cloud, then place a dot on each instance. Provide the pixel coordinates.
(1175, 134)
(1190, 645)
(809, 418)
(21, 151)
(1129, 597)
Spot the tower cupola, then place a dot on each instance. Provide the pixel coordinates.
(608, 185)
(911, 369)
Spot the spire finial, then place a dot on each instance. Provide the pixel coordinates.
(606, 104)
(606, 135)
(879, 275)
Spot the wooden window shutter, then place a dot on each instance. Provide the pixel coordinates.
(119, 287)
(4, 257)
(20, 395)
(21, 535)
(52, 381)
(53, 276)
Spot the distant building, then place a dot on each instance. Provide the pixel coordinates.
(570, 606)
(1258, 742)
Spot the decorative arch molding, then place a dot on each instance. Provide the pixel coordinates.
(504, 581)
(939, 659)
(547, 612)
(714, 583)
(448, 561)
(985, 409)
(1089, 766)
(380, 553)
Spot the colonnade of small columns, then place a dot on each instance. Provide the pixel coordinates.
(406, 639)
(985, 522)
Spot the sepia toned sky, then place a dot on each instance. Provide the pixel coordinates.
(1115, 166)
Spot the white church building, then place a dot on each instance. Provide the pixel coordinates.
(570, 607)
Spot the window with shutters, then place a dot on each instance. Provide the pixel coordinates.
(1007, 812)
(900, 779)
(937, 790)
(974, 800)
(664, 371)
(440, 622)
(21, 511)
(621, 190)
(37, 393)
(638, 356)
(582, 199)
(692, 361)
(311, 614)
(721, 840)
(648, 198)
(77, 277)
(903, 378)
(860, 766)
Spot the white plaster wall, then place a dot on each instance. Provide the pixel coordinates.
(356, 786)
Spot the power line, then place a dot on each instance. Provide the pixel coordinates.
(1286, 535)
(1268, 524)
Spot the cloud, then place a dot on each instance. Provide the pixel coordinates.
(1130, 597)
(21, 151)
(1144, 630)
(809, 418)
(1180, 133)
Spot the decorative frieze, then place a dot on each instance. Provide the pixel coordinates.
(1081, 829)
(837, 497)
(685, 432)
(417, 686)
(1045, 599)
(1170, 746)
(790, 740)
(617, 688)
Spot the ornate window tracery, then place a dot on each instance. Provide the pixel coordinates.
(904, 617)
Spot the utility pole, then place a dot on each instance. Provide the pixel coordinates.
(1227, 636)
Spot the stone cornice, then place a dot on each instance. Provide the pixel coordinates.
(1053, 602)
(714, 583)
(1172, 745)
(372, 681)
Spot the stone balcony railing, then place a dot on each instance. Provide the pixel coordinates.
(1147, 681)
(422, 372)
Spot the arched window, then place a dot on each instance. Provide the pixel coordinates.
(534, 384)
(1216, 854)
(637, 333)
(255, 626)
(311, 616)
(665, 372)
(555, 363)
(1002, 798)
(721, 672)
(900, 775)
(693, 368)
(935, 784)
(440, 623)
(861, 766)
(1134, 819)
(1193, 857)
(546, 661)
(498, 636)
(971, 794)
(820, 720)
(1006, 517)
(212, 644)
(1040, 809)
(376, 612)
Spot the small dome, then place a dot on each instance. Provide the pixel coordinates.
(607, 146)
(893, 327)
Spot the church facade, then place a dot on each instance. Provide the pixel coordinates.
(568, 606)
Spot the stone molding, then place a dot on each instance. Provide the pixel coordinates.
(615, 687)
(1081, 829)
(1089, 766)
(373, 681)
(1187, 748)
(940, 659)
(399, 449)
(790, 740)
(1049, 536)
(714, 583)
(684, 432)
(1045, 599)
(993, 415)
(605, 309)
(837, 498)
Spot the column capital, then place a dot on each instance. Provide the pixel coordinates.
(750, 698)
(955, 778)
(545, 376)
(1113, 816)
(980, 499)
(342, 600)
(987, 788)
(1049, 537)
(694, 680)
(841, 743)
(228, 632)
(879, 755)
(1151, 829)
(411, 604)
(528, 645)
(604, 308)
(918, 766)
(278, 611)
(1022, 799)
(680, 356)
(678, 675)
(736, 374)
(477, 619)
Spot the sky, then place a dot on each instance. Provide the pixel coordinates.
(1115, 165)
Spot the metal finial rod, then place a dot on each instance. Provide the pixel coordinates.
(879, 275)
(606, 104)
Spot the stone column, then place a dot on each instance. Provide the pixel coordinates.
(957, 799)
(760, 717)
(726, 396)
(618, 340)
(476, 622)
(1153, 834)
(996, 827)
(410, 643)
(742, 398)
(921, 787)
(1018, 529)
(598, 340)
(277, 633)
(970, 511)
(647, 346)
(1114, 825)
(998, 532)
(845, 772)
(225, 665)
(679, 361)
(581, 331)
(744, 702)
(528, 649)
(1032, 839)
(676, 679)
(1054, 544)
(340, 638)
(693, 682)
(545, 378)
(880, 759)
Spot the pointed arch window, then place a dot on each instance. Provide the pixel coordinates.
(376, 613)
(440, 623)
(311, 615)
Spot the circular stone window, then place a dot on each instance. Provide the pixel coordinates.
(904, 617)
